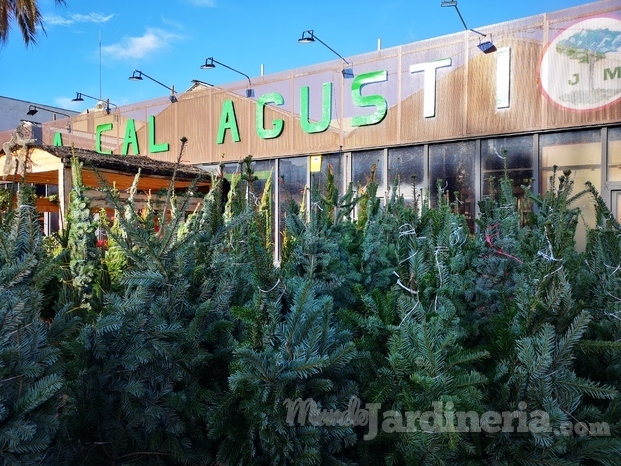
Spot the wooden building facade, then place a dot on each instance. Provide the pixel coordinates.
(48, 168)
(547, 93)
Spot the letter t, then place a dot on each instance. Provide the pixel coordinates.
(429, 83)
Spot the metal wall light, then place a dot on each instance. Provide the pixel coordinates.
(309, 36)
(79, 97)
(32, 109)
(484, 46)
(210, 64)
(137, 75)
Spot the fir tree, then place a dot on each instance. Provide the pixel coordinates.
(307, 357)
(84, 257)
(30, 374)
(319, 246)
(200, 344)
(499, 261)
(380, 235)
(427, 365)
(537, 338)
(598, 286)
(144, 372)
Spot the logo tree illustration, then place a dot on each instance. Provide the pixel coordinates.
(589, 46)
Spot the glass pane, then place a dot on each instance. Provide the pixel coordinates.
(319, 179)
(406, 165)
(453, 165)
(514, 153)
(291, 184)
(40, 190)
(262, 170)
(616, 198)
(363, 163)
(580, 152)
(230, 168)
(614, 154)
(292, 179)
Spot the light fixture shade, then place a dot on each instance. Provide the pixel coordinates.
(487, 47)
(31, 110)
(135, 76)
(307, 37)
(78, 98)
(209, 64)
(449, 4)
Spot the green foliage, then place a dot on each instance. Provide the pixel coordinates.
(538, 335)
(30, 375)
(426, 359)
(5, 196)
(84, 256)
(553, 221)
(131, 384)
(196, 347)
(317, 250)
(266, 215)
(308, 357)
(144, 372)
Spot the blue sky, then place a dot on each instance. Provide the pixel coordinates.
(169, 40)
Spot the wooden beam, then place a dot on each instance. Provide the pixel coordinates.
(64, 188)
(99, 199)
(45, 205)
(123, 181)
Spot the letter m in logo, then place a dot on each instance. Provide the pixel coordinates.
(612, 74)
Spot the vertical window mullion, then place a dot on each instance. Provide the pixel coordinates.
(276, 216)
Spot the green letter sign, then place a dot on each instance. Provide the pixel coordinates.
(370, 100)
(153, 147)
(326, 109)
(100, 129)
(278, 125)
(228, 121)
(130, 138)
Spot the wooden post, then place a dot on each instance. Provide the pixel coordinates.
(64, 188)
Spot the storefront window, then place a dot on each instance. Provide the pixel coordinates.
(364, 163)
(51, 219)
(292, 179)
(452, 165)
(320, 165)
(614, 154)
(513, 154)
(580, 152)
(616, 203)
(406, 170)
(292, 182)
(262, 170)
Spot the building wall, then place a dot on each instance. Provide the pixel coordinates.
(552, 71)
(550, 94)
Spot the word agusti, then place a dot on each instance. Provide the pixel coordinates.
(228, 119)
